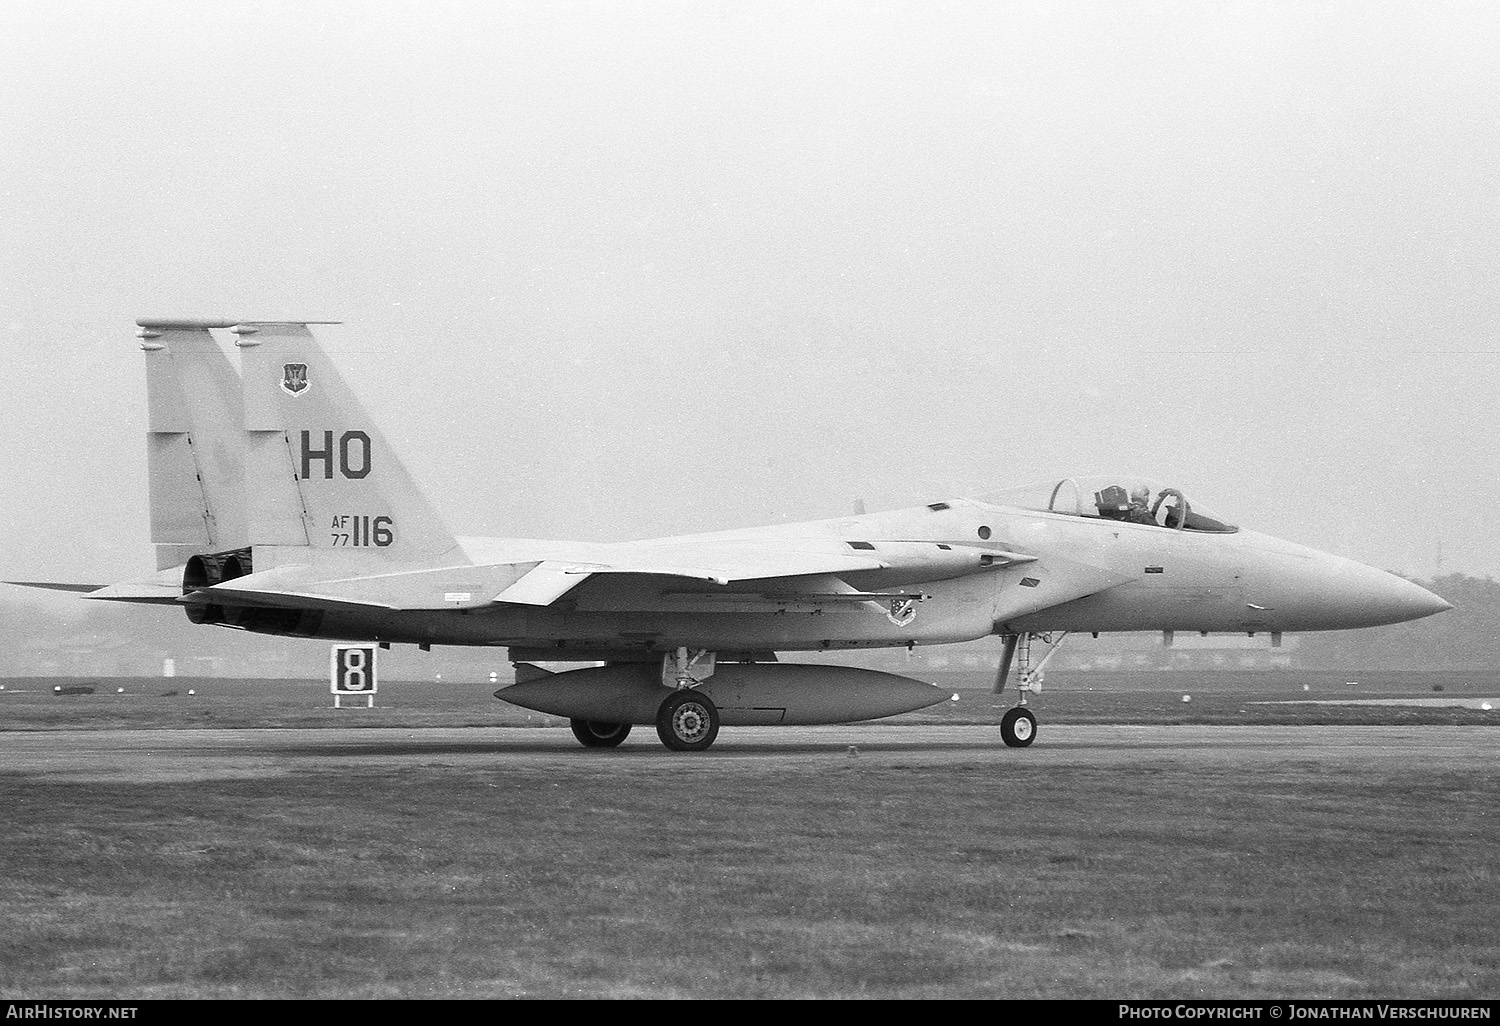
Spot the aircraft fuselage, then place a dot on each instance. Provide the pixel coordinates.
(1080, 574)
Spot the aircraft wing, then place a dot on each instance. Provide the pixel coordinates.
(810, 570)
(551, 579)
(529, 582)
(790, 573)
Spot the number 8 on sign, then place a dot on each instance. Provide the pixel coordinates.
(352, 669)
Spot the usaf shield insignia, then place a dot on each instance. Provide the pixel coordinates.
(294, 378)
(903, 611)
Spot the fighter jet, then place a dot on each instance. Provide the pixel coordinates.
(278, 506)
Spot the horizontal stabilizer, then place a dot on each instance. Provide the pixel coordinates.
(143, 592)
(52, 586)
(162, 588)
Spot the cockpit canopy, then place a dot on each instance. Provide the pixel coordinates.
(1122, 497)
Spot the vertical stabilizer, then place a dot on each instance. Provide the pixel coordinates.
(194, 442)
(319, 475)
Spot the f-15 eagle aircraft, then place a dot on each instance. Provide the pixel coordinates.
(278, 506)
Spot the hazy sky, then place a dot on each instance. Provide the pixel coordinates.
(611, 270)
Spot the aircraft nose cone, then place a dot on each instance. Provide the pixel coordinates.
(1420, 602)
(1299, 588)
(1383, 598)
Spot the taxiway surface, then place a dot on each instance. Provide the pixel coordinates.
(184, 755)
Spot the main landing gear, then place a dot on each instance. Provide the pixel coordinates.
(599, 734)
(687, 719)
(1018, 725)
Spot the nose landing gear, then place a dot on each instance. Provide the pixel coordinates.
(1018, 725)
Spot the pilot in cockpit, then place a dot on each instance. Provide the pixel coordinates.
(1140, 507)
(1134, 508)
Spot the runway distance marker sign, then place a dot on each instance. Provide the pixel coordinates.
(351, 671)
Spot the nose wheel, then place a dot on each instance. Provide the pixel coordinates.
(1018, 727)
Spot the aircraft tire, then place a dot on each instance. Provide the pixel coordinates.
(687, 721)
(599, 733)
(1018, 728)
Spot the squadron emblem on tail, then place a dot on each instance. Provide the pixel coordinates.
(294, 381)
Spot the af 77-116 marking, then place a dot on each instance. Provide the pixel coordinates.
(249, 470)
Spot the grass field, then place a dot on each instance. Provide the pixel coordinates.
(677, 876)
